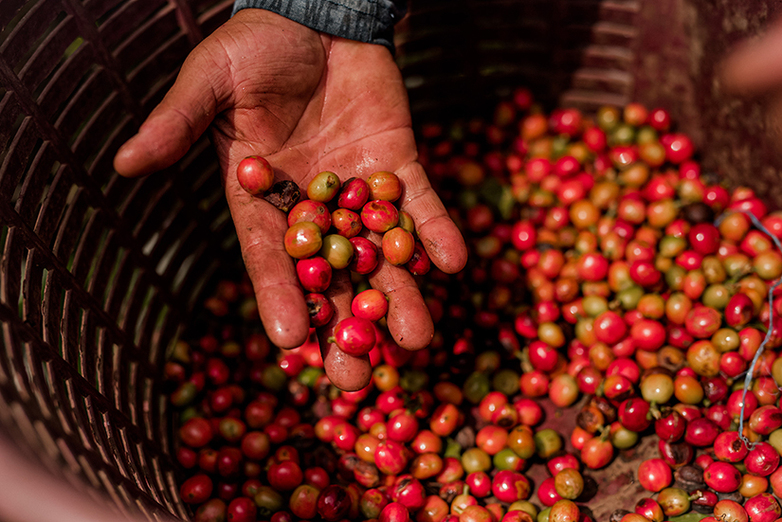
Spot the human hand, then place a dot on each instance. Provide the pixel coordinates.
(755, 68)
(308, 102)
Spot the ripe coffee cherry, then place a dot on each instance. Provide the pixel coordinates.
(394, 512)
(196, 489)
(255, 445)
(303, 240)
(398, 246)
(196, 432)
(354, 194)
(654, 475)
(722, 477)
(409, 492)
(701, 432)
(384, 185)
(309, 210)
(479, 483)
(379, 216)
(346, 222)
(355, 336)
(597, 453)
(419, 263)
(319, 308)
(650, 509)
(633, 414)
(370, 304)
(704, 238)
(255, 175)
(510, 486)
(390, 457)
(285, 476)
(610, 328)
(364, 255)
(729, 447)
(763, 508)
(241, 509)
(333, 503)
(678, 148)
(314, 274)
(648, 334)
(762, 460)
(212, 510)
(523, 235)
(703, 322)
(592, 267)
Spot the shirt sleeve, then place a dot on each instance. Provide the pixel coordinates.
(370, 21)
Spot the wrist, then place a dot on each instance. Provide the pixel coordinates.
(359, 20)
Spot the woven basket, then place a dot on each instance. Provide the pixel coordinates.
(98, 274)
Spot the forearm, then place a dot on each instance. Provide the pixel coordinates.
(370, 21)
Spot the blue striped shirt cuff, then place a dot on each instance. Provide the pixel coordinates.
(370, 21)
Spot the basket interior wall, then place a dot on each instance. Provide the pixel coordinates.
(98, 274)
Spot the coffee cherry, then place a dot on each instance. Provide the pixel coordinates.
(385, 186)
(241, 509)
(355, 336)
(654, 475)
(379, 216)
(419, 263)
(304, 501)
(333, 503)
(323, 187)
(196, 432)
(319, 308)
(365, 255)
(370, 304)
(398, 246)
(309, 210)
(354, 194)
(314, 274)
(303, 240)
(569, 483)
(337, 250)
(255, 175)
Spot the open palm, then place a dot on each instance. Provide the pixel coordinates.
(308, 102)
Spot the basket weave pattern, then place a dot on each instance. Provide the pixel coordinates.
(98, 274)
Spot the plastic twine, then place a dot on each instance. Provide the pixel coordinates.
(748, 377)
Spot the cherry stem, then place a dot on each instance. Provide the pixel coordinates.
(695, 495)
(654, 411)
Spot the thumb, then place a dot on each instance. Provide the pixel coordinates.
(179, 120)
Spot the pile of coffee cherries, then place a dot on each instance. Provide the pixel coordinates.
(324, 239)
(361, 206)
(609, 279)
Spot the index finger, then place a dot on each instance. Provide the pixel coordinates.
(260, 228)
